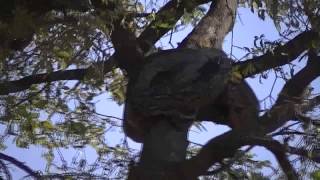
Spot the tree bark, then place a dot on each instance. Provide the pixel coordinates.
(214, 27)
(163, 148)
(166, 145)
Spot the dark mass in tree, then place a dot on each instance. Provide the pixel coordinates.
(173, 85)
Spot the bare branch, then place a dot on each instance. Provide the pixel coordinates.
(217, 149)
(213, 27)
(130, 53)
(213, 151)
(275, 145)
(284, 108)
(4, 169)
(225, 166)
(281, 55)
(279, 151)
(26, 82)
(305, 119)
(311, 104)
(169, 14)
(19, 164)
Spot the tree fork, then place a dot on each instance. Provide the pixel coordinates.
(168, 134)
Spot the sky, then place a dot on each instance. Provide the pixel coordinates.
(247, 26)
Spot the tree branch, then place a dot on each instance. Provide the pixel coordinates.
(36, 9)
(279, 150)
(273, 144)
(215, 150)
(130, 53)
(227, 165)
(26, 82)
(147, 39)
(213, 27)
(4, 169)
(284, 108)
(311, 104)
(226, 145)
(127, 51)
(281, 55)
(19, 164)
(169, 14)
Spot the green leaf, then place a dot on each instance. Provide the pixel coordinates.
(22, 143)
(163, 25)
(46, 125)
(316, 175)
(78, 128)
(236, 76)
(249, 69)
(63, 54)
(315, 44)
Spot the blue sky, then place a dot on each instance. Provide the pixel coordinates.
(243, 33)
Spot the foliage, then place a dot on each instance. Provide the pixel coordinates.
(62, 114)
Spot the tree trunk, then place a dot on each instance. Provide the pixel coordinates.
(165, 147)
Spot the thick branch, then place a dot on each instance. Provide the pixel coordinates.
(168, 15)
(147, 39)
(213, 27)
(314, 154)
(26, 82)
(279, 151)
(130, 50)
(5, 170)
(74, 74)
(273, 144)
(217, 149)
(285, 164)
(281, 55)
(19, 164)
(127, 50)
(284, 108)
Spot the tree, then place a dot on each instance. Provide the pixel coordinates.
(58, 56)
